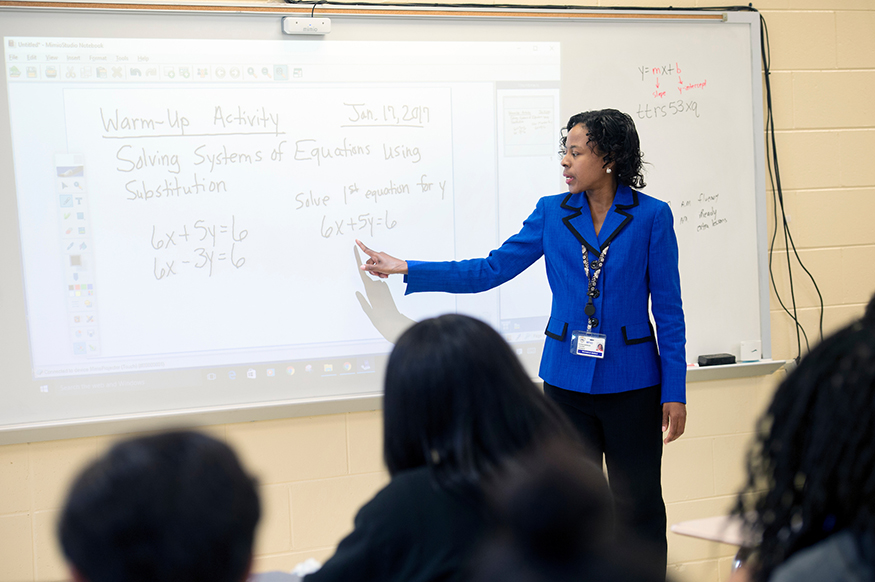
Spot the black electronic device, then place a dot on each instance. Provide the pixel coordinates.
(716, 359)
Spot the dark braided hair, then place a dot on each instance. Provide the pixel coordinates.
(613, 133)
(811, 471)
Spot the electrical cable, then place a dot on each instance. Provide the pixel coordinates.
(778, 200)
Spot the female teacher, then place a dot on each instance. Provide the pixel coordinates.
(609, 251)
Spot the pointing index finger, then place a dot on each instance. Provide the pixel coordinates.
(365, 249)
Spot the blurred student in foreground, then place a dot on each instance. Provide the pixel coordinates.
(810, 495)
(458, 410)
(172, 507)
(556, 523)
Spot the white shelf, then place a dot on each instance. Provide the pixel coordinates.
(739, 370)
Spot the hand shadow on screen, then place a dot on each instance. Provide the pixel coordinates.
(379, 305)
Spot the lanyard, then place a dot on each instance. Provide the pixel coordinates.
(591, 291)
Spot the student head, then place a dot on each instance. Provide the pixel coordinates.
(812, 468)
(613, 135)
(555, 523)
(170, 507)
(458, 400)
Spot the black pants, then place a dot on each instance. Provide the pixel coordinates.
(627, 429)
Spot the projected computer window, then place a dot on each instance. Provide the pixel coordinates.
(193, 203)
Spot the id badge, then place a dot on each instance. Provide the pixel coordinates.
(590, 345)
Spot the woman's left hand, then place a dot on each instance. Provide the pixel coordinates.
(674, 418)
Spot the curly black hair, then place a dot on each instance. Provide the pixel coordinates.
(613, 133)
(811, 470)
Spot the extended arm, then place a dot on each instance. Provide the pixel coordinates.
(471, 275)
(475, 275)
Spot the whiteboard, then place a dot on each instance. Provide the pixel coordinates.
(181, 192)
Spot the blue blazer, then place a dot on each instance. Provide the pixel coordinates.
(641, 266)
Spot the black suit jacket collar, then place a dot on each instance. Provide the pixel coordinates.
(579, 219)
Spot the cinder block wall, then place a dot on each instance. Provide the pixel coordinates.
(315, 472)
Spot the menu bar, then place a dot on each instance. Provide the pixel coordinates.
(144, 73)
(260, 61)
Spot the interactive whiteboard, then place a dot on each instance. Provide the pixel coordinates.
(181, 192)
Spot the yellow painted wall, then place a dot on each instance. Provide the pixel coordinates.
(315, 472)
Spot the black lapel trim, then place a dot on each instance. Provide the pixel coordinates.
(621, 209)
(567, 220)
(549, 333)
(642, 340)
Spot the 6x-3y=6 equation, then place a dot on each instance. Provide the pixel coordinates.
(209, 235)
